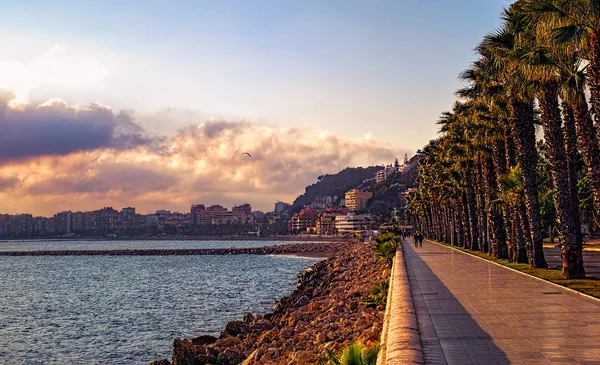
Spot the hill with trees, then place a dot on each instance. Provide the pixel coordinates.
(335, 184)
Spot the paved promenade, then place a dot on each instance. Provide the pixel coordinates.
(470, 311)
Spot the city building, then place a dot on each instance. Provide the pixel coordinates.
(106, 219)
(326, 223)
(280, 207)
(304, 219)
(64, 222)
(196, 211)
(242, 209)
(383, 174)
(127, 218)
(357, 199)
(350, 223)
(258, 215)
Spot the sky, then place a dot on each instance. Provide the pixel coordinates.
(151, 103)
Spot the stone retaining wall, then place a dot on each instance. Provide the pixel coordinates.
(400, 343)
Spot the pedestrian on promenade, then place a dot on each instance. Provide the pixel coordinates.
(416, 239)
(421, 240)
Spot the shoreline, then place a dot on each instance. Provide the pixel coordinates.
(186, 238)
(309, 249)
(325, 311)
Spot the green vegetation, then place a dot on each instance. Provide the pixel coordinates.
(377, 295)
(355, 354)
(385, 247)
(590, 285)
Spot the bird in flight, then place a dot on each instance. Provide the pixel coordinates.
(246, 153)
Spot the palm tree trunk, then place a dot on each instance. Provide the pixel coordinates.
(587, 134)
(571, 152)
(525, 253)
(517, 251)
(472, 209)
(459, 225)
(516, 234)
(565, 212)
(481, 208)
(524, 132)
(499, 157)
(466, 221)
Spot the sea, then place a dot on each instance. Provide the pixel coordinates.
(128, 309)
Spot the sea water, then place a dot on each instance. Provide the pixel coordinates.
(128, 309)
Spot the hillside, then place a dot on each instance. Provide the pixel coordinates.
(386, 195)
(335, 184)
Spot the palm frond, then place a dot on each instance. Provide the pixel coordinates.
(567, 34)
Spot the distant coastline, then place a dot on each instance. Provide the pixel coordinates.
(185, 238)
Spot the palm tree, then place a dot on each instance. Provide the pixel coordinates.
(501, 48)
(385, 247)
(543, 69)
(576, 24)
(377, 295)
(355, 354)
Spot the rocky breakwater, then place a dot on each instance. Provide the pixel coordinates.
(325, 311)
(289, 249)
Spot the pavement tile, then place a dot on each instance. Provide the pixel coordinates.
(470, 311)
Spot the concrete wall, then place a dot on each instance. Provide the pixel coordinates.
(400, 343)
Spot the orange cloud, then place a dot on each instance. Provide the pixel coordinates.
(199, 164)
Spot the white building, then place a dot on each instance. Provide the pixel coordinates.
(383, 174)
(351, 222)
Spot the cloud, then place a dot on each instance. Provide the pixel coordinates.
(8, 182)
(60, 66)
(62, 157)
(55, 128)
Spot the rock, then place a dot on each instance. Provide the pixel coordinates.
(302, 301)
(228, 342)
(235, 328)
(286, 332)
(185, 353)
(314, 306)
(253, 357)
(302, 357)
(268, 336)
(261, 325)
(249, 318)
(229, 357)
(204, 340)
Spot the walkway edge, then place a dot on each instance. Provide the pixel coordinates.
(517, 271)
(400, 339)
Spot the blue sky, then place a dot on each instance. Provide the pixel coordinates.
(349, 67)
(307, 87)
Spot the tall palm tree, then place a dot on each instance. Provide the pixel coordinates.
(576, 24)
(499, 48)
(543, 69)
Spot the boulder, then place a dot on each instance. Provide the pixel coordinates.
(204, 340)
(185, 353)
(235, 328)
(228, 342)
(230, 357)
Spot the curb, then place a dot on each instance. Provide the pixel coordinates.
(519, 272)
(400, 339)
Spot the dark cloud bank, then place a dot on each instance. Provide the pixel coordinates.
(57, 129)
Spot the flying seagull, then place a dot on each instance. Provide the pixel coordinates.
(246, 153)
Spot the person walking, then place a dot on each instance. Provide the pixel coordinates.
(416, 239)
(421, 240)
